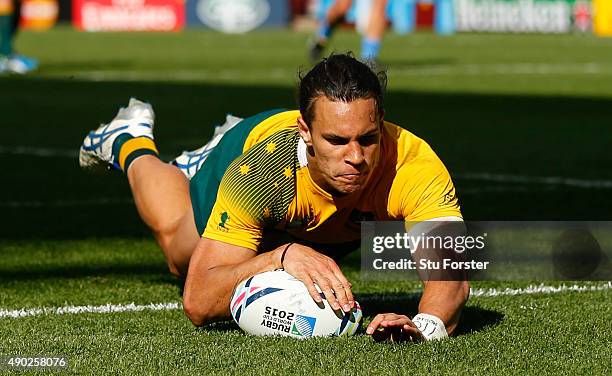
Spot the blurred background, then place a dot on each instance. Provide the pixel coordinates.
(237, 16)
(514, 95)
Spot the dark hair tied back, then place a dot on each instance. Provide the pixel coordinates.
(340, 77)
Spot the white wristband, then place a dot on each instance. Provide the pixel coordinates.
(431, 326)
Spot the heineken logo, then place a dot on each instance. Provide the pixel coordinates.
(233, 16)
(547, 16)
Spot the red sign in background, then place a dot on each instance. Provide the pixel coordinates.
(128, 15)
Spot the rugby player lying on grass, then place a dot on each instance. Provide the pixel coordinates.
(286, 189)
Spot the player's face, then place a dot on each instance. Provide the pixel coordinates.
(343, 144)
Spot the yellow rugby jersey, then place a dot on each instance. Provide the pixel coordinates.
(268, 187)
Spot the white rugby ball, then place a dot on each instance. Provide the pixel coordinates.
(276, 303)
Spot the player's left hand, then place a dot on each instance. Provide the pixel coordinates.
(395, 328)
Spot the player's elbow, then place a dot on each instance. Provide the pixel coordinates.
(198, 313)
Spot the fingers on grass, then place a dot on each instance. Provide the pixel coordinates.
(375, 324)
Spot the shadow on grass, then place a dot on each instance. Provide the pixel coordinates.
(223, 326)
(510, 134)
(473, 319)
(31, 273)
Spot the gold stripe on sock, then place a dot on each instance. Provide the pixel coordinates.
(132, 145)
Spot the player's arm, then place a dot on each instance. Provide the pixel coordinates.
(439, 312)
(443, 300)
(228, 250)
(217, 267)
(444, 294)
(430, 196)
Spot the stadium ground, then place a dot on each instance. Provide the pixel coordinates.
(522, 123)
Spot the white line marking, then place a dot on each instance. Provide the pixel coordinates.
(538, 289)
(65, 203)
(132, 307)
(107, 308)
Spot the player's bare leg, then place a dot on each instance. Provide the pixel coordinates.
(161, 194)
(337, 11)
(160, 190)
(332, 18)
(377, 25)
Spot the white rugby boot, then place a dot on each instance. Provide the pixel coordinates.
(97, 149)
(189, 162)
(20, 64)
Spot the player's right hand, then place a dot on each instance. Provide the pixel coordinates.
(395, 328)
(312, 267)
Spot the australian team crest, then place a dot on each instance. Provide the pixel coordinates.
(224, 218)
(233, 16)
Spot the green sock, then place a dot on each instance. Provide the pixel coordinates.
(6, 35)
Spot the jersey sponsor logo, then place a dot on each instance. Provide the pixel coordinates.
(233, 16)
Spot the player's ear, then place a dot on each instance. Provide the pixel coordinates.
(304, 131)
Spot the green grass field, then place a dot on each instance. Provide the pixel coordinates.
(522, 123)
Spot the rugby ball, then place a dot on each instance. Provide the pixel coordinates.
(276, 303)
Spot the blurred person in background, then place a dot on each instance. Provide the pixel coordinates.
(10, 61)
(372, 37)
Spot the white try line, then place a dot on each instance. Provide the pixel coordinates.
(538, 289)
(107, 308)
(132, 307)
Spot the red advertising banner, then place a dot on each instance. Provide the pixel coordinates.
(128, 15)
